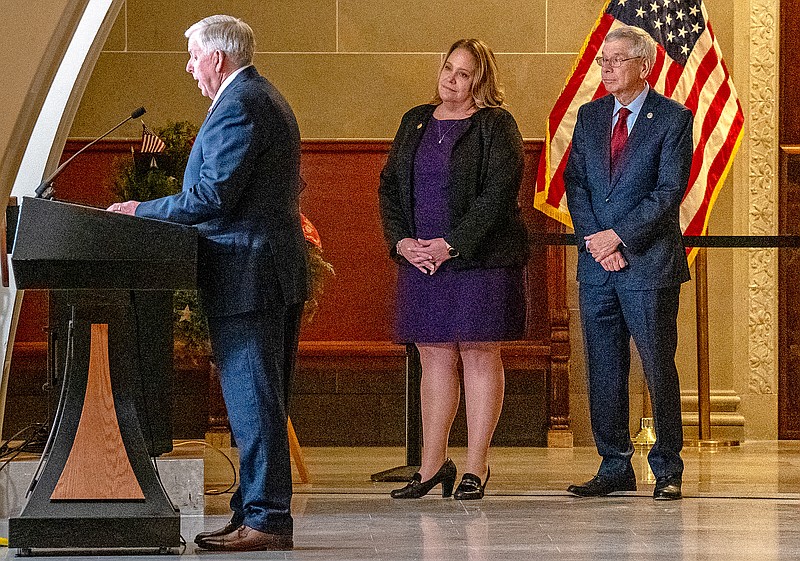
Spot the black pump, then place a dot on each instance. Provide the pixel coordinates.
(416, 488)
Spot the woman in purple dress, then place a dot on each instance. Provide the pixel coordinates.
(448, 199)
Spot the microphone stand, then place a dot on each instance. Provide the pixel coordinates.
(45, 189)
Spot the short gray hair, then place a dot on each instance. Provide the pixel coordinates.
(227, 34)
(642, 44)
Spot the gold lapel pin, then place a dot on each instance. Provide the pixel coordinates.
(419, 126)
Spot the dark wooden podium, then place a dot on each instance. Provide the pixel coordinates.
(96, 485)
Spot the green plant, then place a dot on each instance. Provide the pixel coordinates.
(190, 329)
(318, 272)
(139, 180)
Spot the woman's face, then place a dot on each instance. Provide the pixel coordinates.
(455, 79)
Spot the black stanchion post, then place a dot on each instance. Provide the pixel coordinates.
(413, 422)
(413, 407)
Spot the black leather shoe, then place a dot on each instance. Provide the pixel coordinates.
(668, 489)
(227, 529)
(470, 487)
(417, 488)
(601, 485)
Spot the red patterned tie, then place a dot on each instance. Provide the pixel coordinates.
(620, 135)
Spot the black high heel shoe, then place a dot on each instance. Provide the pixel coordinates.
(470, 487)
(417, 488)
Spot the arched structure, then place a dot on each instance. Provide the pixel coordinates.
(50, 63)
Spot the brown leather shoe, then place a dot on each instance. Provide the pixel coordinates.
(226, 529)
(245, 538)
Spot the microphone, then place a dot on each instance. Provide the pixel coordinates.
(45, 188)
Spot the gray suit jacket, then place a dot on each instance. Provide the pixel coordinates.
(641, 200)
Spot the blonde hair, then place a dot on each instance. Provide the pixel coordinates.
(486, 89)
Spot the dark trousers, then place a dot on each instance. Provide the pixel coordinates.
(610, 316)
(255, 353)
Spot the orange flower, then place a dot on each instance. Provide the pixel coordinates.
(310, 232)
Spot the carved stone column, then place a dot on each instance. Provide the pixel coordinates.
(763, 184)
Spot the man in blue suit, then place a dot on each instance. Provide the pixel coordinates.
(241, 190)
(624, 192)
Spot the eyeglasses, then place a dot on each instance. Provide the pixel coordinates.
(613, 62)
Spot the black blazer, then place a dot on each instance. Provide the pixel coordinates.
(484, 181)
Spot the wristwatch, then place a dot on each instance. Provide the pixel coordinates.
(451, 251)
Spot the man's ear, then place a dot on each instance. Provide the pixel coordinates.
(647, 68)
(219, 60)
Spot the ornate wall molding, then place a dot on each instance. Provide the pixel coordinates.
(762, 183)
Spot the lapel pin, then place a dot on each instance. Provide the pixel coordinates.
(649, 115)
(419, 126)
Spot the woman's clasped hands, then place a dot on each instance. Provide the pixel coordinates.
(425, 255)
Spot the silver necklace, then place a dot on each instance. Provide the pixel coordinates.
(439, 126)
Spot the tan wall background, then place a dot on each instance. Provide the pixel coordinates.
(20, 90)
(32, 55)
(350, 68)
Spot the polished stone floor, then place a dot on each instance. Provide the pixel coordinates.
(741, 503)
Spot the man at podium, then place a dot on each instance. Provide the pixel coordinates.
(241, 190)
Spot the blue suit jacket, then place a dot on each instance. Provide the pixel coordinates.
(241, 189)
(641, 201)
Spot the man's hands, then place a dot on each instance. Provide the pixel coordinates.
(614, 262)
(603, 247)
(128, 207)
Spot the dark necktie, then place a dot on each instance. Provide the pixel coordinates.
(619, 135)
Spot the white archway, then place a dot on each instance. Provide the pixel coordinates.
(47, 139)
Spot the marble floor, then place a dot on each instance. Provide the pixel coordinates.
(740, 503)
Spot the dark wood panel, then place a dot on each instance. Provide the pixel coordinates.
(341, 200)
(789, 211)
(789, 113)
(349, 343)
(789, 301)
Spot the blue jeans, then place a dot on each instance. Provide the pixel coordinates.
(255, 353)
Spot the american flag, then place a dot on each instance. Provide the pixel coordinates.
(151, 144)
(688, 68)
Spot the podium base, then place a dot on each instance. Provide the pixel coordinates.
(97, 532)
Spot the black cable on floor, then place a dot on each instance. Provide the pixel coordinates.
(230, 462)
(9, 452)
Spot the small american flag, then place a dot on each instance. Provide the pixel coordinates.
(151, 144)
(688, 68)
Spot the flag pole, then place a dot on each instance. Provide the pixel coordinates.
(704, 439)
(703, 369)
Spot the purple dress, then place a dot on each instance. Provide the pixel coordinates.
(452, 305)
